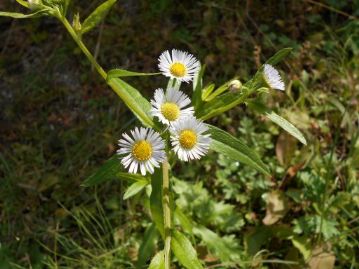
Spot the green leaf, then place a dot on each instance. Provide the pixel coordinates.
(158, 261)
(156, 201)
(279, 56)
(303, 245)
(281, 122)
(286, 125)
(234, 148)
(133, 99)
(16, 15)
(23, 3)
(96, 16)
(117, 73)
(185, 222)
(207, 91)
(147, 247)
(218, 91)
(197, 87)
(184, 251)
(216, 243)
(135, 188)
(111, 169)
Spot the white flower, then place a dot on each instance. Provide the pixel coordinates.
(188, 138)
(272, 78)
(145, 149)
(180, 65)
(171, 107)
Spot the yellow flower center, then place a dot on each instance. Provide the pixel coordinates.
(178, 69)
(142, 150)
(188, 139)
(170, 111)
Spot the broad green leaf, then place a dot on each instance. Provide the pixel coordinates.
(281, 122)
(117, 73)
(158, 261)
(279, 56)
(156, 201)
(111, 169)
(133, 99)
(96, 16)
(147, 247)
(16, 15)
(234, 148)
(135, 188)
(184, 251)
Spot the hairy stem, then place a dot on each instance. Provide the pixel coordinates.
(166, 213)
(114, 84)
(83, 47)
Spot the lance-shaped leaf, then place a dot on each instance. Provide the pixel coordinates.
(156, 201)
(217, 244)
(279, 56)
(234, 148)
(111, 169)
(133, 99)
(16, 15)
(197, 87)
(158, 261)
(118, 73)
(23, 3)
(135, 188)
(280, 121)
(96, 16)
(147, 247)
(184, 251)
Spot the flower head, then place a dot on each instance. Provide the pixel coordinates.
(180, 65)
(272, 78)
(188, 138)
(171, 107)
(145, 149)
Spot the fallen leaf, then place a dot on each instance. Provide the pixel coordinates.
(277, 207)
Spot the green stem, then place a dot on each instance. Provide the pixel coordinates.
(82, 46)
(114, 84)
(166, 213)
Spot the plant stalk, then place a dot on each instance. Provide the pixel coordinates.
(166, 212)
(83, 47)
(114, 84)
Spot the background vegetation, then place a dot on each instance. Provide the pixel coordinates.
(59, 122)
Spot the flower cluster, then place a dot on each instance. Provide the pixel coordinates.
(144, 149)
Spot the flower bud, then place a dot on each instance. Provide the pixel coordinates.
(34, 4)
(235, 85)
(76, 24)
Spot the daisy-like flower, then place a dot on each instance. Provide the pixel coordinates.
(188, 138)
(145, 149)
(178, 64)
(273, 78)
(172, 106)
